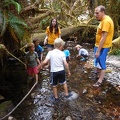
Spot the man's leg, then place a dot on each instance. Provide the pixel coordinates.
(101, 76)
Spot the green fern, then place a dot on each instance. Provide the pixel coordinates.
(18, 26)
(6, 3)
(4, 22)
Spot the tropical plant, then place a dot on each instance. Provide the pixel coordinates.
(10, 21)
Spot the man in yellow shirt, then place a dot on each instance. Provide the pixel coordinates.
(53, 32)
(103, 42)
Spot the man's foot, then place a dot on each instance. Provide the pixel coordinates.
(97, 84)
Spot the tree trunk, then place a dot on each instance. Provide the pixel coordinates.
(41, 16)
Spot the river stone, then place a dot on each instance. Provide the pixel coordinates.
(4, 106)
(1, 97)
(68, 118)
(10, 118)
(73, 96)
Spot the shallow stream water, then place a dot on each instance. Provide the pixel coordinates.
(101, 103)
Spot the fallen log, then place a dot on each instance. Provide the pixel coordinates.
(64, 32)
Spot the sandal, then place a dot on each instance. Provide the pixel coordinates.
(97, 84)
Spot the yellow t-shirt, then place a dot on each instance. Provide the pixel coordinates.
(52, 36)
(105, 25)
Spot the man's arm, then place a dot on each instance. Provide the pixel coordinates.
(103, 38)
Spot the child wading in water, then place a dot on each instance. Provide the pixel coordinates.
(83, 53)
(32, 61)
(57, 60)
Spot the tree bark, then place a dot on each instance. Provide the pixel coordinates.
(64, 32)
(39, 17)
(30, 7)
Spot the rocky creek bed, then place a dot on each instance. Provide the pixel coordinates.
(101, 103)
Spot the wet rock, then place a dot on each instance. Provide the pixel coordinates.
(84, 91)
(33, 95)
(4, 107)
(90, 96)
(68, 118)
(73, 96)
(11, 118)
(85, 71)
(1, 97)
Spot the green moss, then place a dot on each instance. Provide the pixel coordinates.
(115, 52)
(4, 106)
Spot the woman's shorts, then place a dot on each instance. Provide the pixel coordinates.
(100, 62)
(57, 77)
(33, 70)
(50, 46)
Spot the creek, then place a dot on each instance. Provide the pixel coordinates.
(93, 103)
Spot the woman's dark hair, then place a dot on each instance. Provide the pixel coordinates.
(56, 26)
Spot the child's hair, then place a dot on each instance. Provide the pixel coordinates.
(58, 43)
(30, 45)
(35, 39)
(78, 46)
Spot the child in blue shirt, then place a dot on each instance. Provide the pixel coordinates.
(38, 48)
(67, 53)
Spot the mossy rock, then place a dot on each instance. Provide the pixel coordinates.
(1, 97)
(4, 107)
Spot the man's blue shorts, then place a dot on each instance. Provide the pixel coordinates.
(100, 62)
(57, 77)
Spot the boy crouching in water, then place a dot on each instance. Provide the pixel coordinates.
(57, 60)
(32, 61)
(83, 53)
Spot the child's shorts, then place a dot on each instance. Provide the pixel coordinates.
(57, 77)
(33, 70)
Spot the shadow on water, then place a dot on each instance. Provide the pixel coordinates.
(101, 103)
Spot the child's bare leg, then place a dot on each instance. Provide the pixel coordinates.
(65, 89)
(55, 91)
(32, 75)
(36, 77)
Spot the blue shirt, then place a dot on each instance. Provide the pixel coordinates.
(39, 50)
(67, 53)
